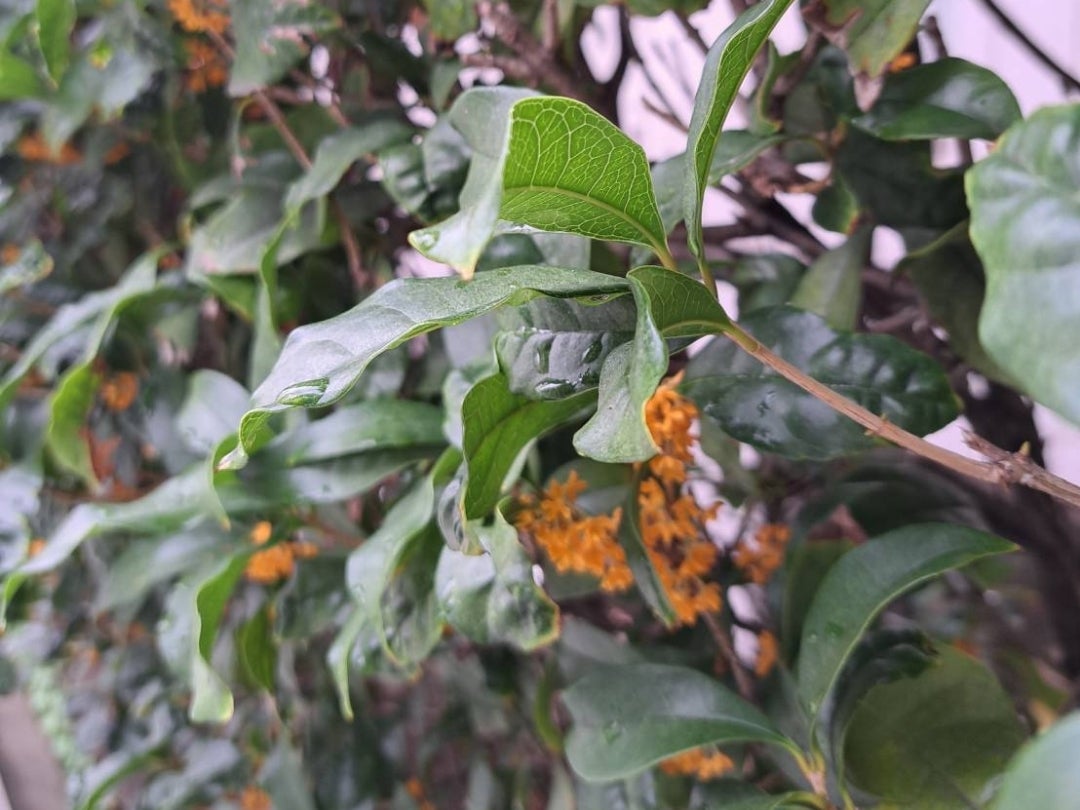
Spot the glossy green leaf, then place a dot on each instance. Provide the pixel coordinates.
(546, 163)
(491, 597)
(733, 794)
(320, 362)
(950, 279)
(950, 98)
(837, 208)
(875, 31)
(628, 718)
(1043, 774)
(755, 405)
(451, 19)
(55, 19)
(558, 347)
(765, 280)
(805, 570)
(498, 426)
(211, 700)
(1024, 224)
(897, 185)
(936, 741)
(337, 152)
(270, 39)
(832, 285)
(728, 61)
(864, 581)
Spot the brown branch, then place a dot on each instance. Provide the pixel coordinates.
(1067, 78)
(541, 63)
(1001, 468)
(727, 651)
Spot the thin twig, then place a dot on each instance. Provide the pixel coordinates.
(1001, 468)
(692, 32)
(1067, 78)
(727, 652)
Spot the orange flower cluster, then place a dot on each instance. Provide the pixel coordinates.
(574, 541)
(33, 147)
(206, 67)
(254, 798)
(672, 522)
(759, 561)
(201, 16)
(277, 562)
(699, 762)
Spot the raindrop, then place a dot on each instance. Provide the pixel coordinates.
(593, 351)
(553, 389)
(304, 394)
(612, 731)
(542, 356)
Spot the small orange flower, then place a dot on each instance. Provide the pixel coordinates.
(699, 762)
(902, 62)
(206, 67)
(33, 148)
(273, 564)
(254, 798)
(117, 152)
(201, 16)
(118, 392)
(416, 792)
(9, 253)
(768, 653)
(37, 545)
(759, 560)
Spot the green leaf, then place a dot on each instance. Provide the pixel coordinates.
(864, 581)
(18, 79)
(236, 237)
(269, 39)
(630, 717)
(804, 571)
(32, 264)
(284, 778)
(832, 286)
(66, 435)
(765, 280)
(150, 561)
(337, 152)
(99, 308)
(950, 279)
(732, 794)
(669, 305)
(936, 741)
(897, 185)
(450, 20)
(546, 163)
(754, 404)
(209, 412)
(320, 362)
(1025, 224)
(836, 208)
(369, 573)
(617, 431)
(736, 149)
(949, 98)
(558, 347)
(257, 650)
(56, 19)
(499, 425)
(491, 597)
(646, 579)
(1043, 774)
(211, 700)
(875, 31)
(728, 61)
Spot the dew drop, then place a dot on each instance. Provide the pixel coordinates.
(304, 394)
(542, 356)
(593, 351)
(612, 731)
(553, 389)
